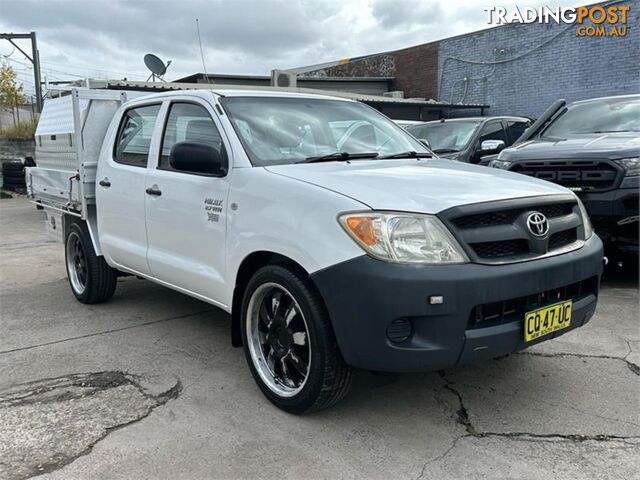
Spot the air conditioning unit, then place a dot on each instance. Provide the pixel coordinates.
(282, 78)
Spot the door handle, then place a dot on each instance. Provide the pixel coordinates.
(154, 191)
(105, 183)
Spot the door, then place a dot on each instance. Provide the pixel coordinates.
(186, 221)
(120, 185)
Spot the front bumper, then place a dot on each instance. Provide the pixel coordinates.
(364, 296)
(614, 215)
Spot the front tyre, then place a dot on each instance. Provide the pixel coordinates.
(91, 279)
(289, 343)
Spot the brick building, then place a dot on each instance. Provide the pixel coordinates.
(517, 69)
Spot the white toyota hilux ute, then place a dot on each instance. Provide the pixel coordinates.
(335, 239)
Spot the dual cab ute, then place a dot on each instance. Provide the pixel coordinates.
(334, 239)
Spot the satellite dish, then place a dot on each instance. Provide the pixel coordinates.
(157, 66)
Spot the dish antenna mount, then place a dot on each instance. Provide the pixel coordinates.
(157, 67)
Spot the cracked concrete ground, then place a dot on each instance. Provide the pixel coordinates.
(563, 409)
(48, 423)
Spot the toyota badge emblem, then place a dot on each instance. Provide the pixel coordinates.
(537, 224)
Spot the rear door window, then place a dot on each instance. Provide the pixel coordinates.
(134, 135)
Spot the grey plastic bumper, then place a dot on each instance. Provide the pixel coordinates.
(363, 296)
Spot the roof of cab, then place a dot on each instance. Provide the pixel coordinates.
(221, 93)
(275, 93)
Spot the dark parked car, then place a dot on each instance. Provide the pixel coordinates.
(470, 139)
(593, 148)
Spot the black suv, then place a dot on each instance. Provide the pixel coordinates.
(471, 139)
(593, 148)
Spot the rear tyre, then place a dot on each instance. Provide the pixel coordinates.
(14, 181)
(14, 174)
(289, 343)
(91, 279)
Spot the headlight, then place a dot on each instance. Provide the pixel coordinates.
(588, 229)
(631, 166)
(403, 237)
(502, 164)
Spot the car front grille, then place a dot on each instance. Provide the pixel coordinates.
(579, 175)
(497, 232)
(561, 239)
(508, 216)
(513, 309)
(504, 248)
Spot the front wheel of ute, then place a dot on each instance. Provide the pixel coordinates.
(91, 279)
(289, 342)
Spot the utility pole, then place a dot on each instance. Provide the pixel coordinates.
(34, 59)
(17, 107)
(36, 71)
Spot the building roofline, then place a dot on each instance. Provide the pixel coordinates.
(194, 76)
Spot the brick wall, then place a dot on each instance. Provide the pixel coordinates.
(539, 63)
(417, 71)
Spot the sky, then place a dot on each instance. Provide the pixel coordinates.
(109, 38)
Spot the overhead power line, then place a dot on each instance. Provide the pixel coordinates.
(95, 69)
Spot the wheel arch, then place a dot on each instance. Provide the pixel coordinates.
(92, 228)
(249, 265)
(100, 279)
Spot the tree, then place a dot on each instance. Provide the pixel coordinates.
(10, 92)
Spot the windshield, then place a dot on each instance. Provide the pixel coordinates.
(445, 136)
(602, 116)
(277, 131)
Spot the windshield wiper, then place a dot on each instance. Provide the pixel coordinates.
(409, 154)
(445, 150)
(338, 156)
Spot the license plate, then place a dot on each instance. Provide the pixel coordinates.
(543, 321)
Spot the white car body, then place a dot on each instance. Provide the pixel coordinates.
(272, 203)
(196, 235)
(142, 235)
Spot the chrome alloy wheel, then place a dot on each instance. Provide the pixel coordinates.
(76, 263)
(278, 339)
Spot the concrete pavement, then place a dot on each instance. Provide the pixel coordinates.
(148, 386)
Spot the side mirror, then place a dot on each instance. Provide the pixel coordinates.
(197, 158)
(491, 146)
(425, 142)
